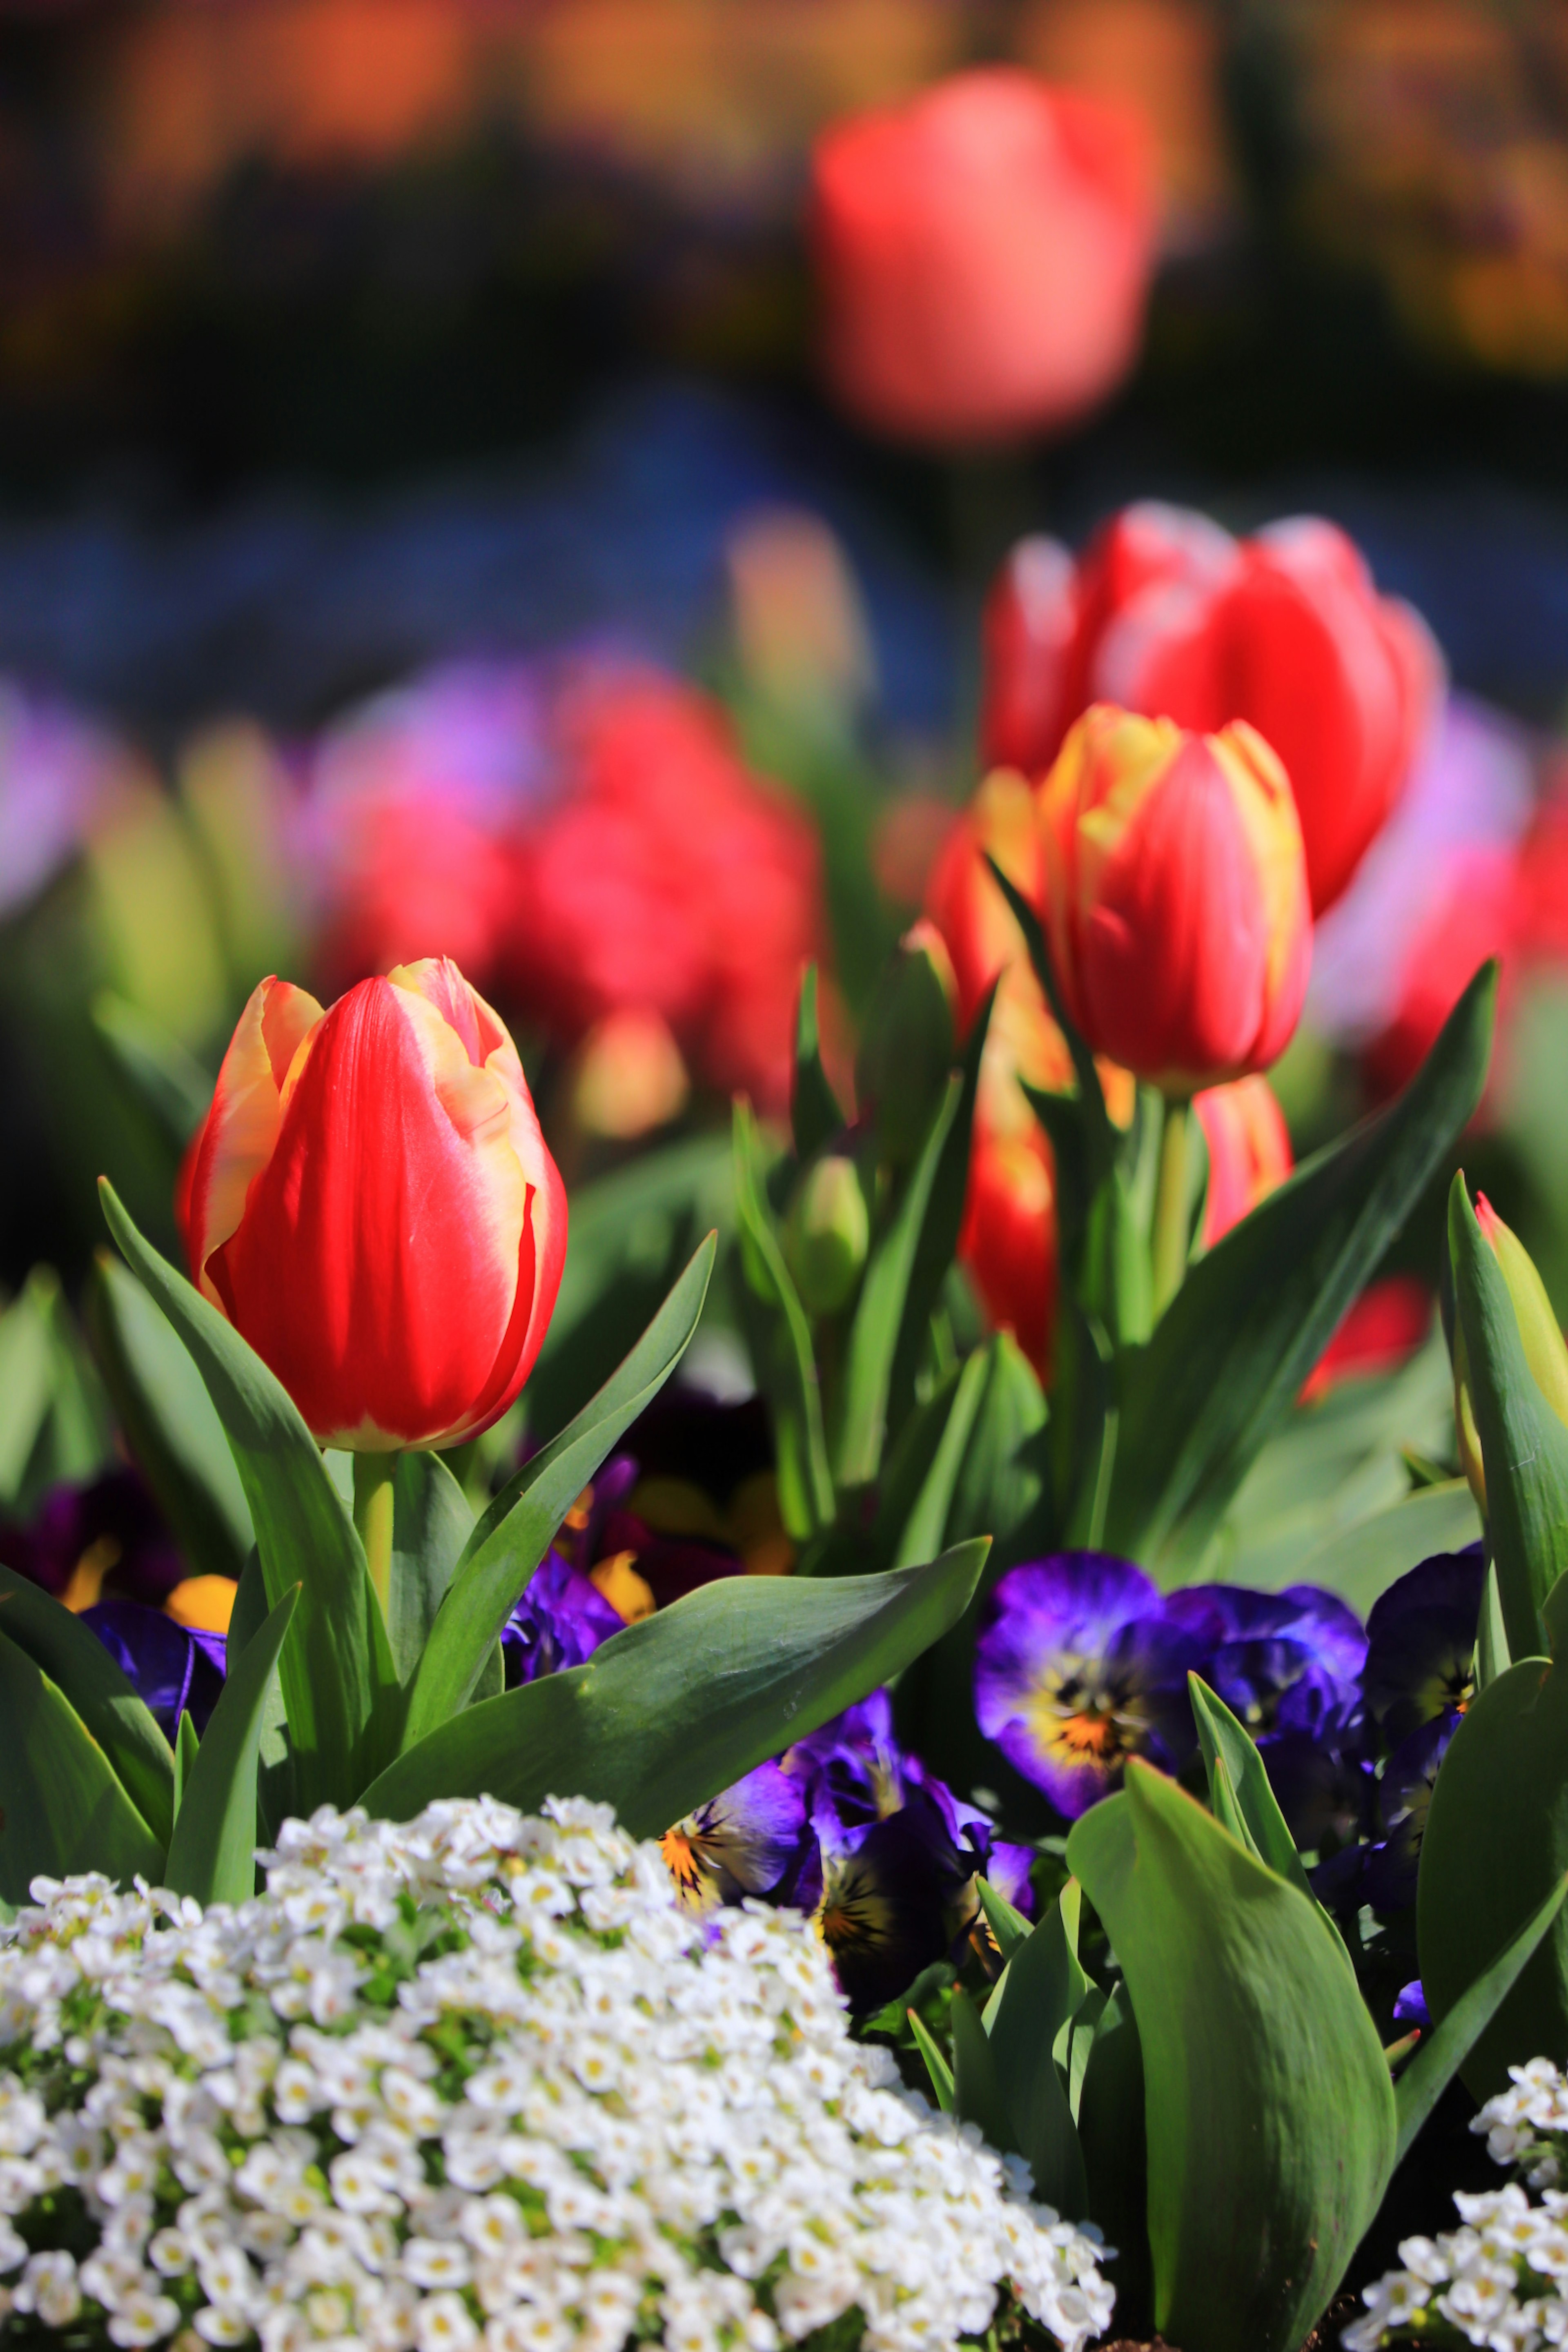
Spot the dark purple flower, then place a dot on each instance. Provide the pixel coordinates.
(746, 1840)
(1410, 2006)
(1324, 1789)
(1007, 1868)
(893, 1902)
(107, 1532)
(170, 1667)
(560, 1621)
(1421, 1642)
(1281, 1661)
(1078, 1668)
(1403, 1800)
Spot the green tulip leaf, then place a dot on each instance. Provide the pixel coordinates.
(26, 1386)
(212, 1853)
(340, 1688)
(1524, 1446)
(936, 1241)
(169, 1421)
(1041, 1992)
(1495, 1849)
(1366, 1558)
(977, 2093)
(186, 1748)
(432, 1520)
(1444, 2051)
(631, 1233)
(781, 1344)
(921, 1536)
(62, 1808)
(1270, 2113)
(1099, 1135)
(79, 1666)
(1227, 1360)
(815, 1117)
(514, 1534)
(1263, 1829)
(679, 1706)
(1112, 2134)
(880, 1311)
(937, 2067)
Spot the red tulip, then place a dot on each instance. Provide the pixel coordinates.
(671, 880)
(1008, 1239)
(1166, 615)
(1385, 1328)
(371, 1203)
(1175, 896)
(983, 253)
(1248, 1147)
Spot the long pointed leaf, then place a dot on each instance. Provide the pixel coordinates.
(1227, 1360)
(922, 1532)
(1101, 1141)
(814, 1108)
(76, 1661)
(1271, 2114)
(515, 1533)
(1219, 1734)
(677, 1707)
(340, 1688)
(168, 1419)
(937, 2067)
(940, 1226)
(212, 1855)
(1523, 1445)
(787, 1362)
(61, 1807)
(977, 2093)
(879, 1311)
(1440, 2057)
(431, 1524)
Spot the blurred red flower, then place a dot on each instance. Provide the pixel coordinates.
(668, 878)
(1165, 614)
(1475, 915)
(1383, 1330)
(1248, 1148)
(983, 253)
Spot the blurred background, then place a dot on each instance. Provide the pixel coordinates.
(426, 524)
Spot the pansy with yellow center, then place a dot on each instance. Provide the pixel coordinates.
(1079, 1667)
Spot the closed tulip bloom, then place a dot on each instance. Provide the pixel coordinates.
(984, 252)
(1175, 896)
(1165, 614)
(371, 1203)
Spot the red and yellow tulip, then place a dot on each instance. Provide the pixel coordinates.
(372, 1205)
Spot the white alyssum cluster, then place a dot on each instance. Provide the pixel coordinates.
(1501, 2280)
(478, 2077)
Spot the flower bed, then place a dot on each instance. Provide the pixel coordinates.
(481, 2074)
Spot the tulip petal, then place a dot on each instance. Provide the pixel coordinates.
(236, 1139)
(376, 1269)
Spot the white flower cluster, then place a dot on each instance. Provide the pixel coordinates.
(478, 2077)
(1502, 2281)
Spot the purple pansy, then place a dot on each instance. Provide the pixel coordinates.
(560, 1621)
(748, 1840)
(894, 1898)
(111, 1525)
(170, 1667)
(1421, 1642)
(1078, 1667)
(1282, 1662)
(1410, 2006)
(1403, 1800)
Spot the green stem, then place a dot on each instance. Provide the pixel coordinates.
(374, 1474)
(1171, 1208)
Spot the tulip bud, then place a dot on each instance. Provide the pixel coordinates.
(371, 1203)
(1545, 1350)
(827, 1234)
(908, 1044)
(1176, 897)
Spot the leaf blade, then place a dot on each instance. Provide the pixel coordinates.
(212, 1852)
